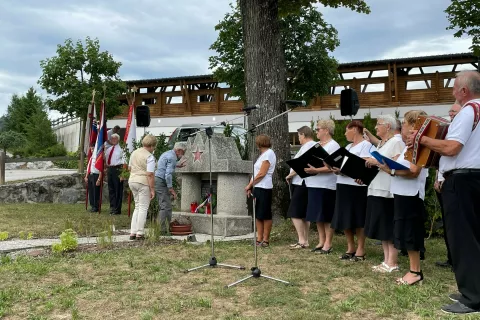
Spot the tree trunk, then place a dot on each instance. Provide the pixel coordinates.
(265, 84)
(81, 163)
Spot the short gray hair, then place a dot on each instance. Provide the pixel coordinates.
(388, 119)
(180, 146)
(471, 80)
(115, 136)
(328, 124)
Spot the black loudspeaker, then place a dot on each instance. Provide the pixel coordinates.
(349, 103)
(143, 116)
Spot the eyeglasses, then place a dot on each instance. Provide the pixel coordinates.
(381, 124)
(318, 129)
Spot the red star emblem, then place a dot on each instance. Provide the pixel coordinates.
(197, 155)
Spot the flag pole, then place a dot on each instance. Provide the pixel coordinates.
(90, 122)
(104, 160)
(134, 89)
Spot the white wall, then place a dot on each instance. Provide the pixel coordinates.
(69, 135)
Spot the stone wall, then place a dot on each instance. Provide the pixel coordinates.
(37, 165)
(60, 189)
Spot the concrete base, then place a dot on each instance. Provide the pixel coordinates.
(224, 225)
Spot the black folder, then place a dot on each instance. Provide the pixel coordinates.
(313, 156)
(351, 165)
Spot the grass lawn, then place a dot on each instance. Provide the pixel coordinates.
(148, 282)
(45, 220)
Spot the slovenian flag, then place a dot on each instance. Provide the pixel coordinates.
(101, 138)
(131, 129)
(91, 132)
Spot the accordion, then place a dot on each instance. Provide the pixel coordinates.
(432, 127)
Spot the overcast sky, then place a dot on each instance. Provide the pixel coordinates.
(155, 39)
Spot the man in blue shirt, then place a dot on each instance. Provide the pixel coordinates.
(164, 184)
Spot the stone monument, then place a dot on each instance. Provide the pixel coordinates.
(230, 175)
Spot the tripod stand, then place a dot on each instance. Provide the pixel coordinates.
(256, 272)
(213, 261)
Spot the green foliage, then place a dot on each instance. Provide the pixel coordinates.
(77, 69)
(3, 236)
(68, 242)
(291, 6)
(70, 164)
(27, 116)
(2, 123)
(11, 140)
(25, 236)
(228, 133)
(21, 109)
(464, 18)
(307, 40)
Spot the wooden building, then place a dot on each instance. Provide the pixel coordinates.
(415, 81)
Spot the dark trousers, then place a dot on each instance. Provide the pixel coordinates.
(93, 191)
(440, 201)
(115, 189)
(461, 194)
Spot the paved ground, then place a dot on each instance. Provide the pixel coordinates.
(16, 245)
(25, 174)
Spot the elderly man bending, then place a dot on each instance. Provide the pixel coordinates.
(164, 184)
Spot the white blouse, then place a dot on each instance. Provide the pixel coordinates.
(363, 151)
(326, 180)
(404, 186)
(266, 182)
(380, 186)
(296, 178)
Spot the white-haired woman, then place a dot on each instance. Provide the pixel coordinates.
(321, 190)
(142, 184)
(380, 207)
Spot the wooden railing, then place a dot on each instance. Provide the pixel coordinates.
(62, 120)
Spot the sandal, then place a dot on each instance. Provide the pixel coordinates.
(347, 256)
(316, 249)
(385, 268)
(298, 246)
(257, 243)
(133, 237)
(265, 244)
(140, 237)
(357, 258)
(326, 251)
(295, 244)
(402, 281)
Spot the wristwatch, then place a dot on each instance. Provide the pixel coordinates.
(392, 172)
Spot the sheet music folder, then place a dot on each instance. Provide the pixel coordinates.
(351, 165)
(313, 156)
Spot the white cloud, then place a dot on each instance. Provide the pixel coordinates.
(428, 47)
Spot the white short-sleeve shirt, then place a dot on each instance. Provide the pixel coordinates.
(363, 151)
(296, 179)
(266, 182)
(460, 130)
(380, 186)
(409, 186)
(327, 180)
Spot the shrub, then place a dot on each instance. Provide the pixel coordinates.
(68, 242)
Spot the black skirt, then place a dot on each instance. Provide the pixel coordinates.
(263, 203)
(379, 219)
(299, 201)
(409, 223)
(350, 207)
(321, 205)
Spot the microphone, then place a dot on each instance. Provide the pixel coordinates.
(296, 103)
(248, 108)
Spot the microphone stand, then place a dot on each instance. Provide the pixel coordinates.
(255, 270)
(213, 261)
